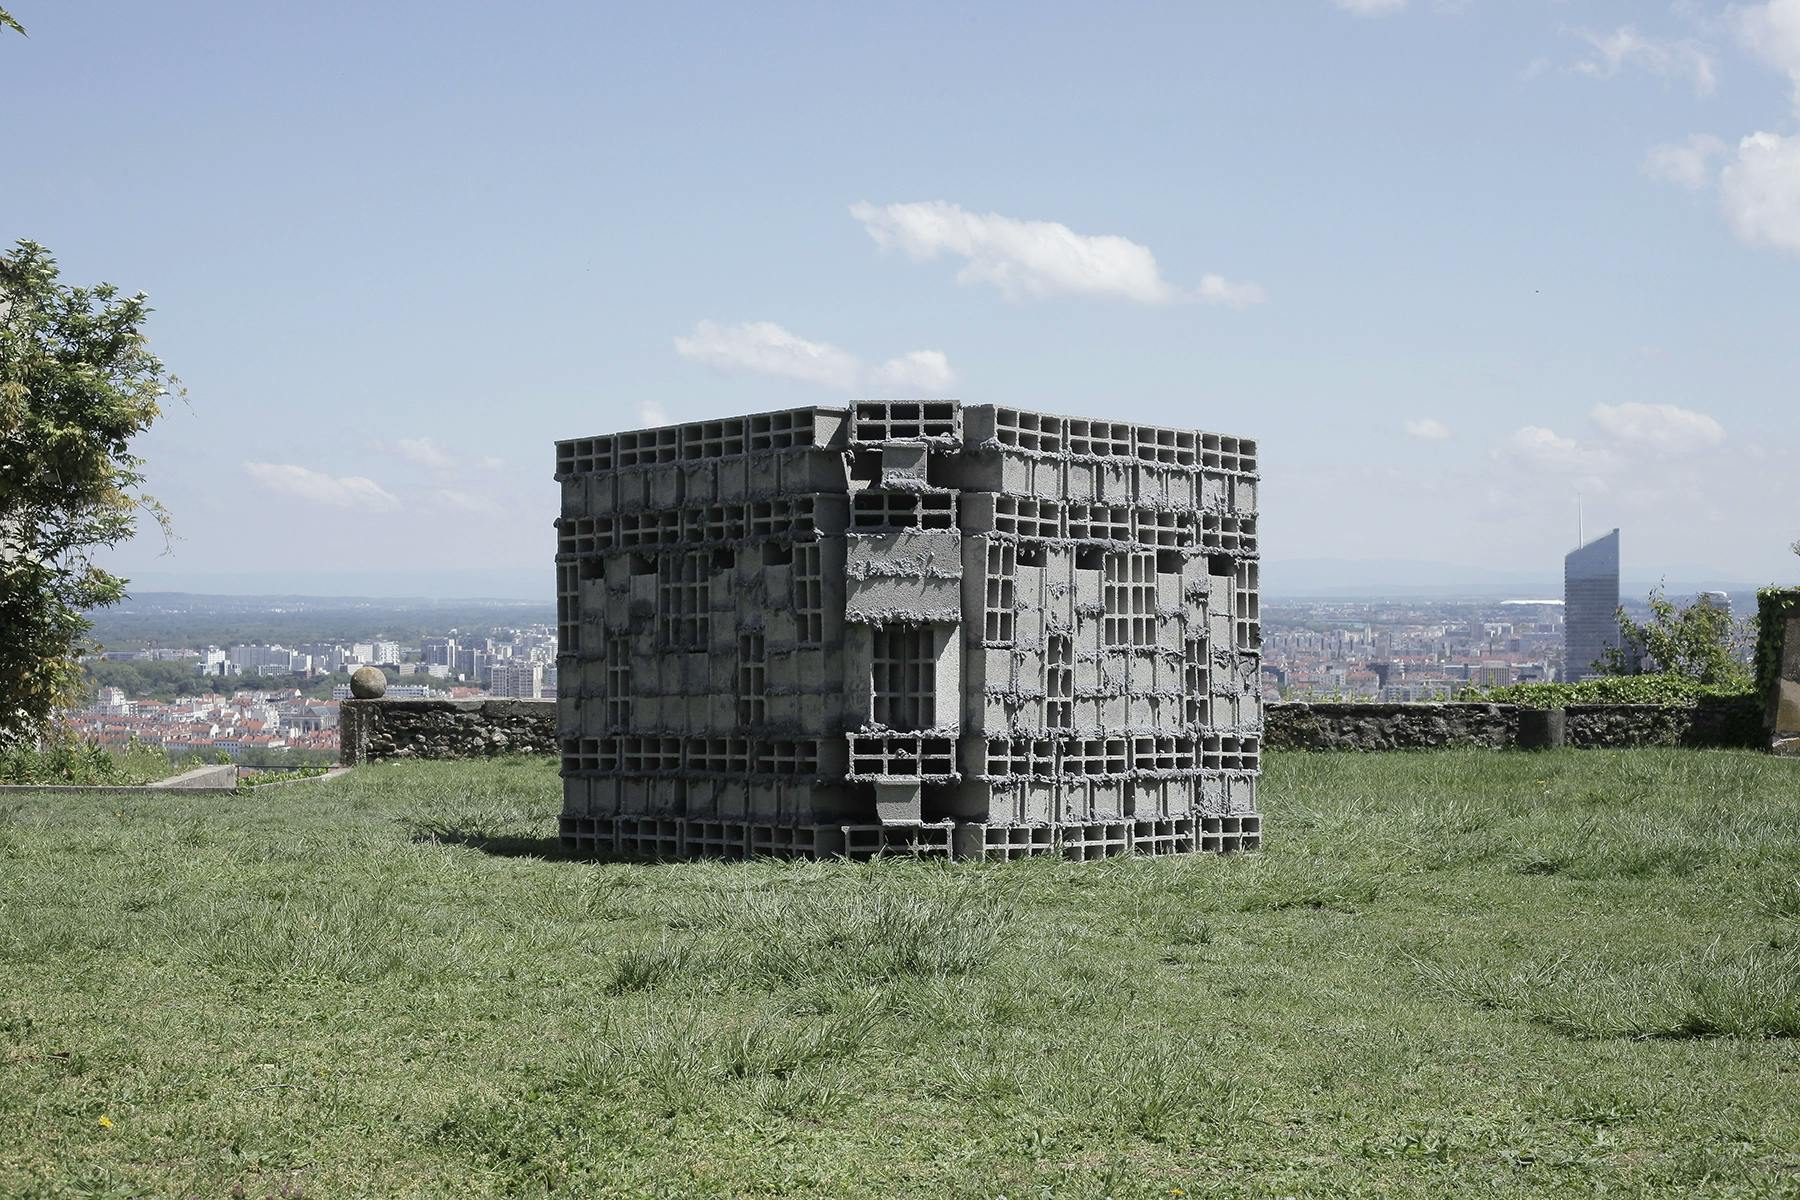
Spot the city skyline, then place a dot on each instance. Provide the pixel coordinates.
(1447, 263)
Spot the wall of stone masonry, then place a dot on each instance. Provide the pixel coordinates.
(372, 730)
(1371, 727)
(1366, 727)
(1710, 724)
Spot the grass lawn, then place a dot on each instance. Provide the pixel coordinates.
(73, 763)
(1462, 973)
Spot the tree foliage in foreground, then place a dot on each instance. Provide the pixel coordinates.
(1697, 641)
(77, 383)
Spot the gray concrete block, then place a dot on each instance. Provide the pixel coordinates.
(899, 803)
(1122, 546)
(733, 480)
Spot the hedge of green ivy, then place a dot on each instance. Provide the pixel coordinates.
(1773, 608)
(1679, 691)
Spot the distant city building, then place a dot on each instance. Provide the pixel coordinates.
(112, 702)
(438, 651)
(215, 662)
(264, 660)
(1590, 605)
(327, 658)
(412, 691)
(374, 652)
(472, 662)
(1491, 674)
(517, 680)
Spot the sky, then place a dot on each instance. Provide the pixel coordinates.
(1449, 263)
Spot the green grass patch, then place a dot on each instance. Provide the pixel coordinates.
(262, 778)
(70, 762)
(1454, 973)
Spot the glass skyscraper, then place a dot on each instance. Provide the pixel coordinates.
(1590, 602)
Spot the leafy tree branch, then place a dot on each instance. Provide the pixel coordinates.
(77, 383)
(1698, 641)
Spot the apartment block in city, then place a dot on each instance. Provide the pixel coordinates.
(909, 627)
(522, 680)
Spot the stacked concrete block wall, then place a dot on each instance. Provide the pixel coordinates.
(909, 626)
(1778, 667)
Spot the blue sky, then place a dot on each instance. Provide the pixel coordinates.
(397, 250)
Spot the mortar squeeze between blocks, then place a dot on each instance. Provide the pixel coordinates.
(908, 627)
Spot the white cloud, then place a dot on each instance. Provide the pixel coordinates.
(1545, 449)
(464, 502)
(1036, 259)
(1625, 46)
(1687, 163)
(1216, 289)
(424, 452)
(765, 348)
(923, 372)
(1771, 31)
(1661, 428)
(1371, 8)
(1428, 429)
(1632, 436)
(651, 413)
(316, 487)
(490, 462)
(1759, 190)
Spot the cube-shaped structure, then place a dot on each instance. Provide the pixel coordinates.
(908, 627)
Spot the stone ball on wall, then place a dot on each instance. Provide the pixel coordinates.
(368, 684)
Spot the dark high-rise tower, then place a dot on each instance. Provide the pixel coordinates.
(1590, 600)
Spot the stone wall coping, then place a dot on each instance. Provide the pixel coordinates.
(464, 704)
(1385, 706)
(337, 772)
(1377, 706)
(214, 777)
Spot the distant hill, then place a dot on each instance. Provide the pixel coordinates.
(1325, 578)
(501, 583)
(196, 619)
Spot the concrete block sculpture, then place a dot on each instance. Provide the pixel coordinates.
(908, 627)
(1778, 666)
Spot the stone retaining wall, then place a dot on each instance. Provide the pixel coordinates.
(1710, 723)
(209, 778)
(1308, 726)
(370, 730)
